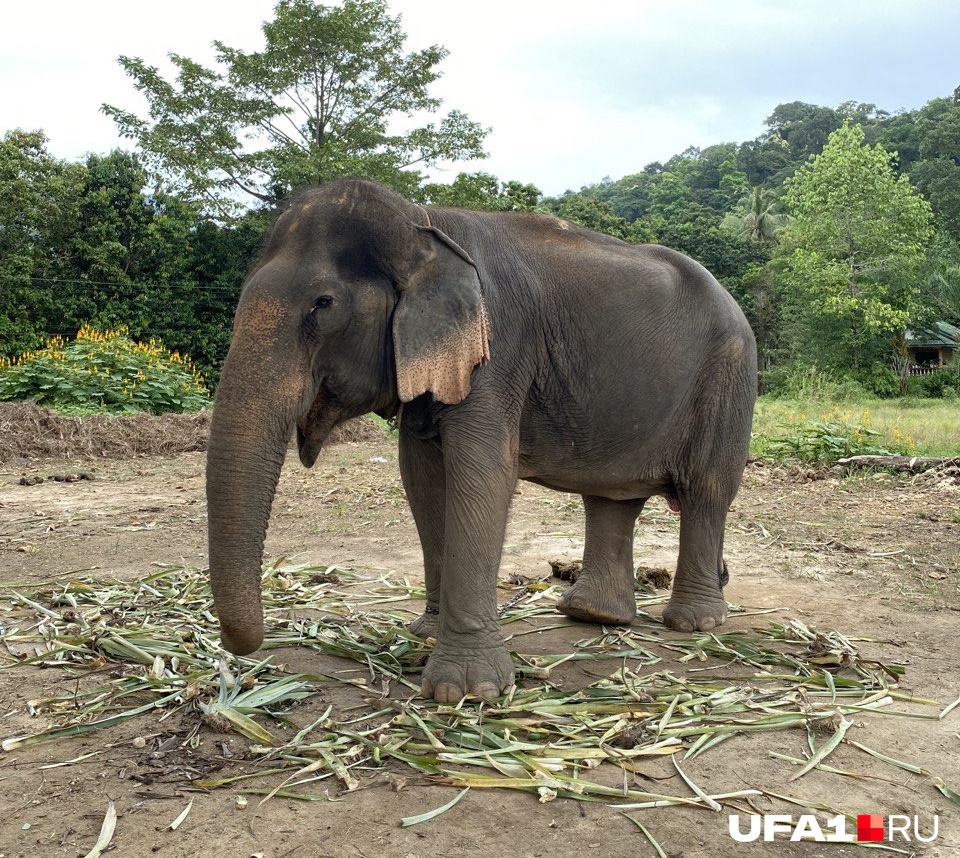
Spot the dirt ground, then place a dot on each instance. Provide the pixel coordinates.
(873, 555)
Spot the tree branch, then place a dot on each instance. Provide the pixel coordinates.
(908, 464)
(284, 113)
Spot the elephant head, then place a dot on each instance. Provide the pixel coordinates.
(357, 304)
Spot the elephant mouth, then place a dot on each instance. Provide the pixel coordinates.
(313, 427)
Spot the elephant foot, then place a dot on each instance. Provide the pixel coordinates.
(455, 670)
(588, 601)
(427, 624)
(690, 615)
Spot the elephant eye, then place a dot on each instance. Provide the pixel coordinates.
(323, 302)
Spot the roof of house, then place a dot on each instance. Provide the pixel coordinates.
(937, 334)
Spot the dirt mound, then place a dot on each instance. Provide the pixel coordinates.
(30, 431)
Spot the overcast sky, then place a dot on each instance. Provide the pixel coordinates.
(574, 91)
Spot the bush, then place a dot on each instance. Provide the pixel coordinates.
(104, 372)
(881, 381)
(835, 436)
(940, 384)
(798, 381)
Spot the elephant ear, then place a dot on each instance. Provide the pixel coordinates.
(440, 326)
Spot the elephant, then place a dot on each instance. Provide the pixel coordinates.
(506, 346)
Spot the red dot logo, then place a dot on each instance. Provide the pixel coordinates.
(870, 827)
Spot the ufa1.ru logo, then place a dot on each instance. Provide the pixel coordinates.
(870, 827)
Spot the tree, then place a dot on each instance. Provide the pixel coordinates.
(482, 191)
(128, 233)
(766, 160)
(850, 255)
(712, 176)
(732, 183)
(38, 216)
(132, 252)
(628, 197)
(756, 221)
(38, 203)
(862, 113)
(755, 217)
(598, 216)
(222, 256)
(757, 298)
(805, 128)
(940, 277)
(670, 197)
(937, 172)
(146, 261)
(322, 99)
(91, 243)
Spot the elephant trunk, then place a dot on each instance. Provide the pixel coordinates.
(249, 436)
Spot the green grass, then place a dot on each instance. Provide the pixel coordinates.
(924, 427)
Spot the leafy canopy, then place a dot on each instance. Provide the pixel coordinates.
(38, 214)
(483, 191)
(856, 239)
(755, 216)
(325, 97)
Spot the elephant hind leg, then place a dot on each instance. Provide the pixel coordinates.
(697, 603)
(706, 486)
(604, 592)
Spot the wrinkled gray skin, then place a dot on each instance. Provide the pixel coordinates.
(521, 347)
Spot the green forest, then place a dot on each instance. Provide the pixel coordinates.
(837, 228)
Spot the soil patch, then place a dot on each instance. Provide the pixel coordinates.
(873, 555)
(30, 431)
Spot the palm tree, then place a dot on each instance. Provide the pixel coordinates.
(755, 216)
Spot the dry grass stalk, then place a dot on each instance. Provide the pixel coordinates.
(30, 431)
(160, 639)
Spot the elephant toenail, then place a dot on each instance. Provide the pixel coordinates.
(447, 692)
(486, 691)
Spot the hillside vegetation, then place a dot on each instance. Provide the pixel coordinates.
(837, 229)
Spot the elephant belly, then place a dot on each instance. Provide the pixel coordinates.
(622, 443)
(634, 491)
(620, 477)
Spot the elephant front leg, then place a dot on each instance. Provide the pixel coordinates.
(604, 592)
(697, 603)
(470, 656)
(421, 469)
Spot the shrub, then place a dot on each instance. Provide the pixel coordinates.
(881, 381)
(104, 371)
(941, 383)
(835, 436)
(798, 381)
